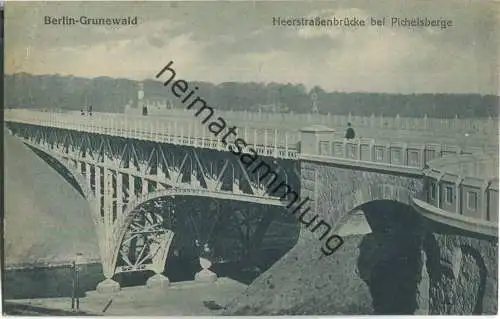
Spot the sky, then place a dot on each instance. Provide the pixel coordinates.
(219, 41)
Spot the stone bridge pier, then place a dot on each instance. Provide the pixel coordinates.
(421, 246)
(461, 268)
(460, 246)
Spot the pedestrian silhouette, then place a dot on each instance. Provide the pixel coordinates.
(349, 133)
(82, 112)
(90, 110)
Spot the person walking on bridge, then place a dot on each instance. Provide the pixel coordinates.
(349, 133)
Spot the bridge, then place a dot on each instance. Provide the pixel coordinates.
(126, 165)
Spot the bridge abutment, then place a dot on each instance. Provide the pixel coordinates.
(460, 210)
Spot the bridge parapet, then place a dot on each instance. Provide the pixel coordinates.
(462, 191)
(320, 143)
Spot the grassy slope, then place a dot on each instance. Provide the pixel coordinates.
(45, 218)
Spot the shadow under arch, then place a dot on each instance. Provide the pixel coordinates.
(132, 210)
(389, 259)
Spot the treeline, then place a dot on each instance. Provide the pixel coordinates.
(67, 92)
(111, 95)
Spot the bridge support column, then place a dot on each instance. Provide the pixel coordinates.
(88, 175)
(160, 173)
(108, 199)
(145, 185)
(97, 173)
(81, 167)
(159, 167)
(119, 192)
(131, 186)
(108, 285)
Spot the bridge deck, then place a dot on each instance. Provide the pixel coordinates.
(264, 137)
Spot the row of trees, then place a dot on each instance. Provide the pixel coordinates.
(111, 95)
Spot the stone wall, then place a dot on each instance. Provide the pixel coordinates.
(336, 191)
(463, 271)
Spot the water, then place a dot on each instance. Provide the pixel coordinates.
(56, 282)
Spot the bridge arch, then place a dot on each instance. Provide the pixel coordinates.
(131, 210)
(389, 236)
(368, 193)
(389, 233)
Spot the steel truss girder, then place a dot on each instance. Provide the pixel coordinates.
(145, 245)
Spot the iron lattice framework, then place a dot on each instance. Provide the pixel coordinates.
(126, 182)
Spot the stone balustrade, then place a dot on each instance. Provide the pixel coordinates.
(323, 143)
(462, 190)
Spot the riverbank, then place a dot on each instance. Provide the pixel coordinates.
(179, 299)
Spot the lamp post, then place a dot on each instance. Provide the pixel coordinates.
(314, 98)
(75, 298)
(465, 143)
(73, 284)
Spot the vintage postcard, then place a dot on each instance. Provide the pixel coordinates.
(250, 158)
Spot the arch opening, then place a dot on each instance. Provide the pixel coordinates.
(389, 261)
(241, 239)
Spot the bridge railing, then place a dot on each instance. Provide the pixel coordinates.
(267, 142)
(485, 126)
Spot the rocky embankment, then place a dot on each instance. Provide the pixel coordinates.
(393, 261)
(375, 272)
